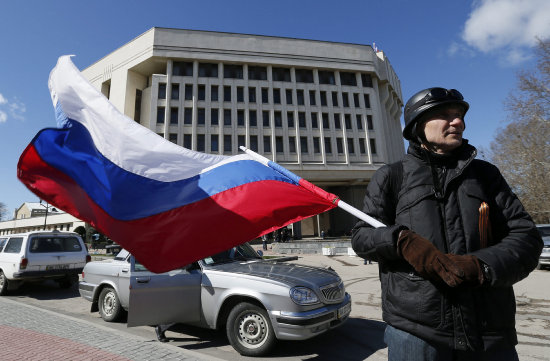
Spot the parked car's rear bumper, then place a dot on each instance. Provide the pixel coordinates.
(86, 290)
(304, 325)
(55, 273)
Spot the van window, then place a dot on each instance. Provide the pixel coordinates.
(54, 244)
(14, 245)
(2, 243)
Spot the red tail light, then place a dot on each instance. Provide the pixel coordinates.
(24, 263)
(82, 274)
(88, 258)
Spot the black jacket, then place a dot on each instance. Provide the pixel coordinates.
(439, 199)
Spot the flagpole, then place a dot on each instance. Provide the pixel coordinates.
(340, 203)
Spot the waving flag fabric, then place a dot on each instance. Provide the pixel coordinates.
(167, 205)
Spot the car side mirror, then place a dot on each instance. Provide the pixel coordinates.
(260, 253)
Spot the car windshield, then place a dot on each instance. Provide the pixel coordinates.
(243, 252)
(545, 233)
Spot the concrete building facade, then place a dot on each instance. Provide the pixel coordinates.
(330, 112)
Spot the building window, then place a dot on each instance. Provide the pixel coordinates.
(188, 91)
(369, 122)
(240, 94)
(162, 91)
(290, 119)
(173, 138)
(362, 147)
(280, 74)
(326, 77)
(173, 115)
(227, 117)
(328, 146)
(347, 78)
(160, 115)
(314, 122)
(300, 96)
(137, 106)
(240, 118)
(339, 145)
(227, 93)
(257, 73)
(200, 143)
(324, 101)
(187, 141)
(267, 144)
(345, 100)
(337, 124)
(335, 99)
(202, 92)
(253, 121)
(214, 93)
(356, 100)
(232, 71)
(292, 144)
(351, 146)
(278, 119)
(265, 96)
(182, 68)
(372, 145)
(188, 116)
(302, 119)
(227, 146)
(316, 145)
(303, 145)
(175, 91)
(254, 142)
(288, 96)
(326, 124)
(252, 95)
(366, 80)
(214, 146)
(265, 118)
(312, 97)
(347, 121)
(367, 100)
(277, 96)
(208, 70)
(304, 76)
(279, 144)
(214, 114)
(201, 116)
(359, 121)
(241, 141)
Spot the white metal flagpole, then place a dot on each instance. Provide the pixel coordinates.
(340, 203)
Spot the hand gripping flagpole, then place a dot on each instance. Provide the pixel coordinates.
(340, 203)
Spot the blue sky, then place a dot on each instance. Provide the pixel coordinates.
(474, 46)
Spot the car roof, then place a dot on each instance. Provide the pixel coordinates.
(49, 233)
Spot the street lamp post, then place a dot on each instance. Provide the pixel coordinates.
(46, 217)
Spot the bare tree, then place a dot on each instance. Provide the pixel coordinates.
(3, 211)
(522, 148)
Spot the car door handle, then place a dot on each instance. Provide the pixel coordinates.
(143, 279)
(125, 270)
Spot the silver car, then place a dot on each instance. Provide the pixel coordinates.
(257, 301)
(544, 259)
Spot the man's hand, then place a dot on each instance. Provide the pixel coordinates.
(473, 273)
(427, 260)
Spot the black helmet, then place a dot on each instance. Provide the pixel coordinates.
(428, 99)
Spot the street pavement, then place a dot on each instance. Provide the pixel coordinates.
(35, 334)
(30, 332)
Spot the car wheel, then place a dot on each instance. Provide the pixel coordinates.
(110, 309)
(249, 330)
(3, 284)
(539, 266)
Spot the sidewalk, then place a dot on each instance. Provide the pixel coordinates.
(30, 333)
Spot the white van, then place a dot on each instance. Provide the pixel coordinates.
(41, 255)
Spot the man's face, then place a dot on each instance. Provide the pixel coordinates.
(443, 128)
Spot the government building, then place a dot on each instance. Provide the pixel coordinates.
(329, 112)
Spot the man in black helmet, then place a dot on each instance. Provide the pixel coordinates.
(457, 240)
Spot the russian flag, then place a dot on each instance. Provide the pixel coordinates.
(167, 205)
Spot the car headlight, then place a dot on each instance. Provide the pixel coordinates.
(303, 296)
